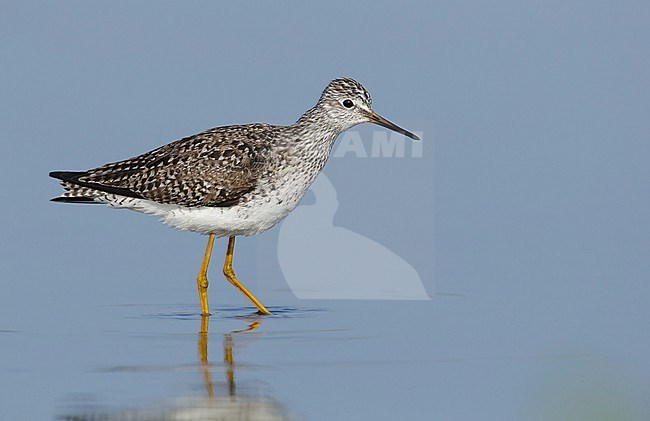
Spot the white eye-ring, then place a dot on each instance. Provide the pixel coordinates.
(348, 103)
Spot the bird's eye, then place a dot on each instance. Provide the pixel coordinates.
(348, 103)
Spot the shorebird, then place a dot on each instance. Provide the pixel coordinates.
(232, 180)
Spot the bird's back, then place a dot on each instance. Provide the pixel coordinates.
(213, 168)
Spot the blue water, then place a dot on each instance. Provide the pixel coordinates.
(451, 358)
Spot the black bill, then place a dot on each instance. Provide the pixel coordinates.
(377, 119)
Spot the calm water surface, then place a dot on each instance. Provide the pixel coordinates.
(444, 359)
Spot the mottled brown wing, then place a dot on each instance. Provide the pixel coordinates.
(214, 168)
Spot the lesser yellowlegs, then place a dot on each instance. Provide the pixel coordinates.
(231, 180)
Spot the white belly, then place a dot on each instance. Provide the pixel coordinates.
(249, 218)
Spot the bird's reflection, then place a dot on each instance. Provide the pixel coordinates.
(228, 361)
(212, 406)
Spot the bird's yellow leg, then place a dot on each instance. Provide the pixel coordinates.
(230, 275)
(202, 278)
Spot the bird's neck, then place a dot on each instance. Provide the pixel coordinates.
(316, 125)
(312, 138)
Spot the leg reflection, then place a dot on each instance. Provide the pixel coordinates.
(229, 363)
(245, 406)
(203, 356)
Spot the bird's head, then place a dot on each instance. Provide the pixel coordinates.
(348, 103)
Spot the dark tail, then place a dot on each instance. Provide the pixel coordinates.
(70, 181)
(70, 177)
(64, 199)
